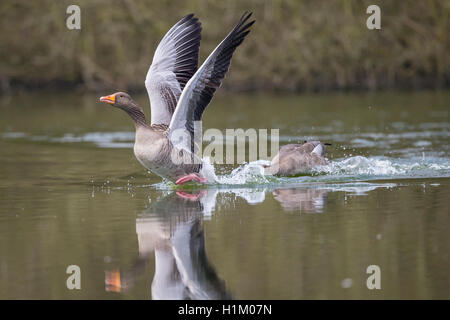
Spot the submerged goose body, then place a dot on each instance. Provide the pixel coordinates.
(294, 159)
(179, 94)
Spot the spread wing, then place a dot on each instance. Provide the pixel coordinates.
(201, 87)
(174, 63)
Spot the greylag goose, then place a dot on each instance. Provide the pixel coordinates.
(179, 94)
(294, 159)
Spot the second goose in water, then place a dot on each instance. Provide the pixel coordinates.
(294, 159)
(179, 94)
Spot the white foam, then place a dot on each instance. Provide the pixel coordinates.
(359, 165)
(252, 172)
(356, 167)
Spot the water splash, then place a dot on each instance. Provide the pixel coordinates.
(251, 173)
(382, 167)
(357, 168)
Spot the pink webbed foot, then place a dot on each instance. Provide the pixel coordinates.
(191, 177)
(191, 196)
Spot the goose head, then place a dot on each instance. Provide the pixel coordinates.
(120, 100)
(123, 101)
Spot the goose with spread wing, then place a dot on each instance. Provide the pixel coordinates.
(179, 94)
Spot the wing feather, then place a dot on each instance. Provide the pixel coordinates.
(201, 87)
(174, 63)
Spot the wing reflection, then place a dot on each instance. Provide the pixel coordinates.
(301, 199)
(172, 229)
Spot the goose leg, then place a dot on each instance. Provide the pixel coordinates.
(191, 177)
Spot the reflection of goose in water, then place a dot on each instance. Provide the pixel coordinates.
(172, 229)
(301, 199)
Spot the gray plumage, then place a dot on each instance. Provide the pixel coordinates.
(175, 61)
(200, 89)
(179, 94)
(294, 159)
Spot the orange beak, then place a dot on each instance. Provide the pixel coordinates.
(108, 99)
(112, 281)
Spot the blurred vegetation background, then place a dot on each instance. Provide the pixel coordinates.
(294, 45)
